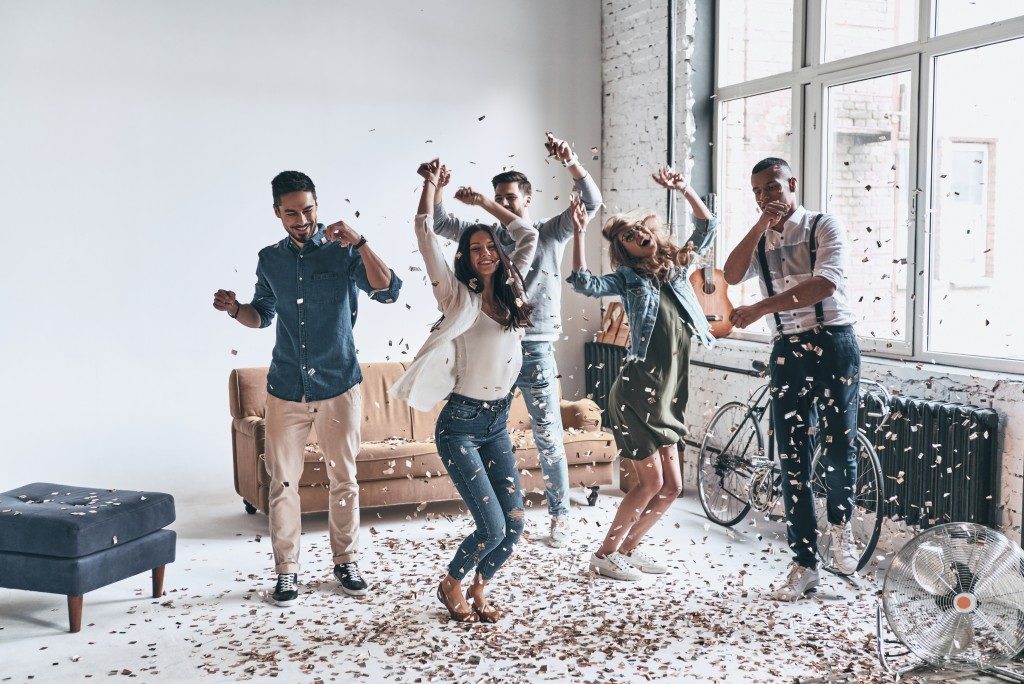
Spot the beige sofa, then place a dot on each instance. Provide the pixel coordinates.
(398, 462)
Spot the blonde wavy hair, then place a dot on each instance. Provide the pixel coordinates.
(668, 257)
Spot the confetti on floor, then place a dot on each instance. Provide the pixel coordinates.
(703, 622)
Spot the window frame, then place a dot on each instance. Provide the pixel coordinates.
(806, 81)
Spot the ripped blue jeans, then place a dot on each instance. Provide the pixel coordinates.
(538, 381)
(474, 446)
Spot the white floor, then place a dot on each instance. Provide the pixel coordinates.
(704, 622)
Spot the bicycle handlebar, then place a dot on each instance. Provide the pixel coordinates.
(875, 387)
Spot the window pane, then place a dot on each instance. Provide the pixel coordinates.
(753, 128)
(756, 38)
(956, 15)
(976, 274)
(868, 188)
(854, 27)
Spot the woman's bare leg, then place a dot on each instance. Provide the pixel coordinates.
(672, 484)
(649, 483)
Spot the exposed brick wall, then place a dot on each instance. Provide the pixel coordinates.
(634, 39)
(634, 35)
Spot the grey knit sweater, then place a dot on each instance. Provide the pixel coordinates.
(544, 279)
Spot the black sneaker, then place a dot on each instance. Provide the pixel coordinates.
(352, 583)
(287, 589)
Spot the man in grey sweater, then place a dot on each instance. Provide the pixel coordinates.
(538, 378)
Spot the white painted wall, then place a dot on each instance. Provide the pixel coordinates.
(137, 144)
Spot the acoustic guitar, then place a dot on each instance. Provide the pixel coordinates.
(713, 295)
(711, 289)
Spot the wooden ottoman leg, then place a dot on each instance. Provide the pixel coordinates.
(75, 613)
(158, 581)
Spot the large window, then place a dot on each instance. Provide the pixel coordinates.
(898, 117)
(976, 276)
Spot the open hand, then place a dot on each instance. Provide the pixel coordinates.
(559, 149)
(342, 233)
(468, 195)
(224, 300)
(667, 177)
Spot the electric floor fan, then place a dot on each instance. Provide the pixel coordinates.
(954, 597)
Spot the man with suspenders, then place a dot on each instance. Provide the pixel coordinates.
(799, 258)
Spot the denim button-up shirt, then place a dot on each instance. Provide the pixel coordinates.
(313, 292)
(641, 297)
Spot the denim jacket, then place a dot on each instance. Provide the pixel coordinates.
(641, 297)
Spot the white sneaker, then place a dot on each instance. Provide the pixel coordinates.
(614, 565)
(844, 552)
(644, 563)
(799, 581)
(559, 537)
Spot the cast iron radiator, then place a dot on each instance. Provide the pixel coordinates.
(602, 363)
(939, 459)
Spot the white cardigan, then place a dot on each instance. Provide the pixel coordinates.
(431, 376)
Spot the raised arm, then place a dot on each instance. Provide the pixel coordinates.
(561, 226)
(468, 195)
(442, 279)
(703, 235)
(579, 217)
(581, 279)
(445, 224)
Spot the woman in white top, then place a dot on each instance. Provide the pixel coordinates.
(472, 358)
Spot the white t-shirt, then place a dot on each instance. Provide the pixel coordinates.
(489, 358)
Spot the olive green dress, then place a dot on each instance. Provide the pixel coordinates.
(646, 402)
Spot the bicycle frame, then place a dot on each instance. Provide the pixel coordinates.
(755, 411)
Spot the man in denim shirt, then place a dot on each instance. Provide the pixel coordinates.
(538, 379)
(309, 279)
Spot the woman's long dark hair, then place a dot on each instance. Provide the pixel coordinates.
(509, 290)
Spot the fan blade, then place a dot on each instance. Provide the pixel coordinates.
(932, 571)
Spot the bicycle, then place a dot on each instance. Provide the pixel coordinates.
(734, 474)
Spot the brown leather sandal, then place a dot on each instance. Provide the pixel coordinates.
(488, 613)
(469, 616)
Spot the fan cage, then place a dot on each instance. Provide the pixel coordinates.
(954, 596)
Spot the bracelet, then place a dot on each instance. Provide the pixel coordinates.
(427, 180)
(362, 241)
(238, 307)
(571, 160)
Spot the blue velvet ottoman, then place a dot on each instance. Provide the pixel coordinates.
(72, 540)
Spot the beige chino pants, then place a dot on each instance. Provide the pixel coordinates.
(337, 422)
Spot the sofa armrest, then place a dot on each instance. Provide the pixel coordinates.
(251, 426)
(582, 414)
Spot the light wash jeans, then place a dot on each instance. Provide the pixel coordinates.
(538, 381)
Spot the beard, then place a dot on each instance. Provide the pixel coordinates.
(300, 234)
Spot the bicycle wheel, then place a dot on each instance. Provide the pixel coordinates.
(732, 443)
(869, 496)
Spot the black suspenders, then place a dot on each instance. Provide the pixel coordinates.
(762, 257)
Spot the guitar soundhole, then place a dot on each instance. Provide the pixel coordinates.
(709, 287)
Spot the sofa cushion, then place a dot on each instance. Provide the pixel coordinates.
(580, 448)
(396, 459)
(57, 520)
(383, 415)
